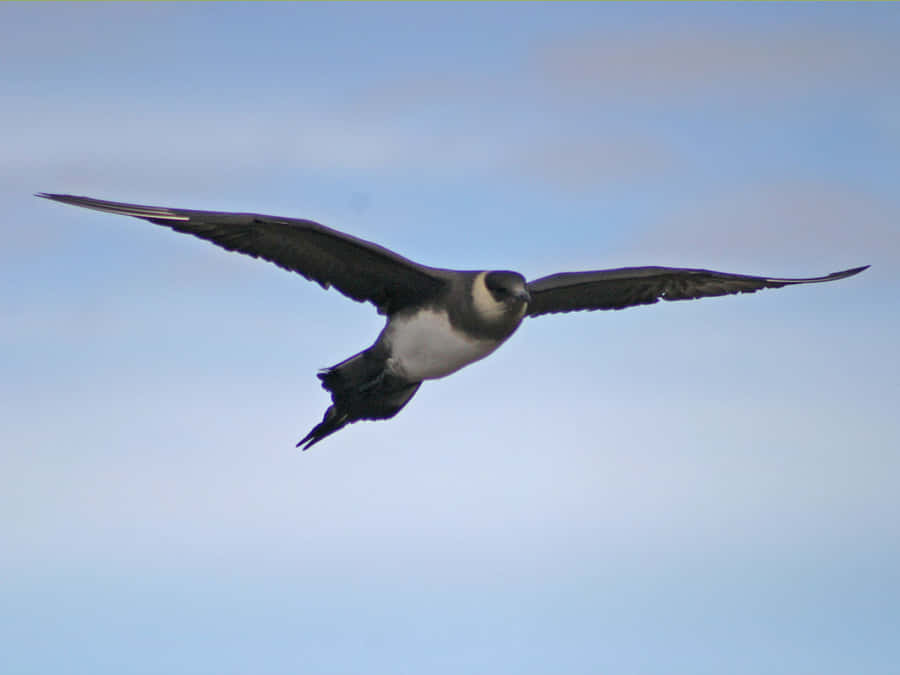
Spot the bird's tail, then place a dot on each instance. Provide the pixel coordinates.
(334, 420)
(361, 389)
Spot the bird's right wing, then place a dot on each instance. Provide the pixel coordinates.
(630, 286)
(357, 268)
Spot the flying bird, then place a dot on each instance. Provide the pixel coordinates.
(438, 320)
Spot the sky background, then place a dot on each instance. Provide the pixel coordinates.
(702, 487)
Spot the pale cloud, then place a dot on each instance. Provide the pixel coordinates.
(493, 124)
(726, 60)
(665, 63)
(583, 163)
(115, 145)
(780, 221)
(536, 108)
(102, 145)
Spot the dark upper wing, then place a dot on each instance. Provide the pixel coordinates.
(629, 286)
(359, 269)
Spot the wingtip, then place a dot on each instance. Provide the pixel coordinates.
(850, 272)
(55, 196)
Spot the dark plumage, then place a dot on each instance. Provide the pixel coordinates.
(438, 320)
(630, 286)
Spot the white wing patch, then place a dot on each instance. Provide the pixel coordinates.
(143, 212)
(425, 346)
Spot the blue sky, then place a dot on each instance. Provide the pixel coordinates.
(698, 487)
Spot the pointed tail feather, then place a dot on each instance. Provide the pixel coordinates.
(361, 389)
(331, 422)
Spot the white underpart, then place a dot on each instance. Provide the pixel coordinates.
(425, 346)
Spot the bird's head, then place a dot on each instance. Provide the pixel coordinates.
(508, 288)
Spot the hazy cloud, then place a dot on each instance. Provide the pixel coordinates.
(778, 221)
(582, 163)
(102, 144)
(707, 59)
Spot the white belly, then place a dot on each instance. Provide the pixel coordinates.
(426, 347)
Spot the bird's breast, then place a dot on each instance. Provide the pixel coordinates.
(426, 346)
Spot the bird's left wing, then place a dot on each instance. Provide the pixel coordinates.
(630, 286)
(357, 268)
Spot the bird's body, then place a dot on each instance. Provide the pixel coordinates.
(438, 320)
(424, 342)
(424, 345)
